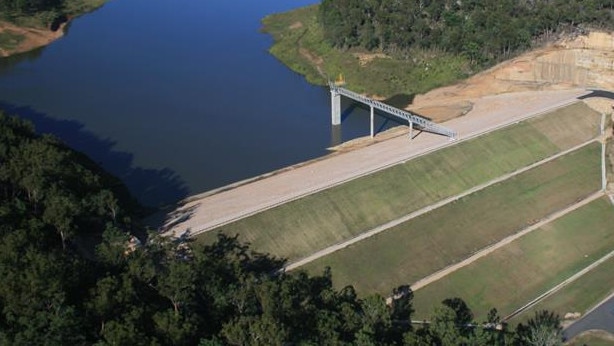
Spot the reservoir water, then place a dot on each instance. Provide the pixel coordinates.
(175, 97)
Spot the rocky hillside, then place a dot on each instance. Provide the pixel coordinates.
(582, 61)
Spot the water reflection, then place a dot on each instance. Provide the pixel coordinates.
(335, 135)
(155, 187)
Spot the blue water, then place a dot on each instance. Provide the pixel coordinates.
(175, 97)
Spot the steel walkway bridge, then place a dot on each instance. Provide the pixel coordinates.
(412, 119)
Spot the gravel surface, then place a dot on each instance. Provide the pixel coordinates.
(204, 213)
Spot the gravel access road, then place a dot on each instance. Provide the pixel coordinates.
(208, 211)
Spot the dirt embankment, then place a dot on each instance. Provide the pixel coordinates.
(585, 61)
(28, 38)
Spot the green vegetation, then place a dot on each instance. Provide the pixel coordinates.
(522, 270)
(482, 30)
(76, 7)
(419, 45)
(44, 13)
(447, 235)
(299, 44)
(9, 40)
(580, 295)
(301, 227)
(56, 291)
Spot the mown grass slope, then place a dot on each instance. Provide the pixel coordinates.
(433, 241)
(522, 270)
(301, 227)
(580, 295)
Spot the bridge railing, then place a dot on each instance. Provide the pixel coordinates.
(422, 123)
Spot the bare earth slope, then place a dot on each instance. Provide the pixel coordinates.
(31, 38)
(585, 62)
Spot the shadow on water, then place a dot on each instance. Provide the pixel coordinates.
(382, 126)
(336, 136)
(388, 119)
(346, 113)
(151, 187)
(9, 62)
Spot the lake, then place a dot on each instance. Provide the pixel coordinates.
(175, 97)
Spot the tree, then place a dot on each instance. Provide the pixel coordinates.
(60, 212)
(34, 292)
(176, 328)
(543, 329)
(106, 203)
(177, 282)
(463, 315)
(113, 250)
(120, 332)
(169, 292)
(444, 328)
(376, 320)
(484, 30)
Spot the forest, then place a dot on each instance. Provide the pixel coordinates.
(484, 31)
(29, 6)
(46, 13)
(74, 273)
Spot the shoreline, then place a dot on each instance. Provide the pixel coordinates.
(32, 38)
(351, 145)
(209, 210)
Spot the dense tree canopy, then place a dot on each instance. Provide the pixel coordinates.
(28, 6)
(57, 290)
(484, 30)
(50, 9)
(47, 13)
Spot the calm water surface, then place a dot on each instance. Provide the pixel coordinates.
(175, 97)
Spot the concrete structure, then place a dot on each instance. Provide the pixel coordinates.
(414, 121)
(213, 209)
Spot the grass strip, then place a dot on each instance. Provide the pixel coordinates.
(10, 40)
(580, 295)
(433, 241)
(522, 270)
(567, 118)
(301, 227)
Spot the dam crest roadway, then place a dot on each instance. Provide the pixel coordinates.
(213, 209)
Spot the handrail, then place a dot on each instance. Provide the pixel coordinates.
(423, 123)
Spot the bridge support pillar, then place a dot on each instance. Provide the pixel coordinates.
(411, 130)
(335, 105)
(372, 122)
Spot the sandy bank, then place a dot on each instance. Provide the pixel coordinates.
(32, 38)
